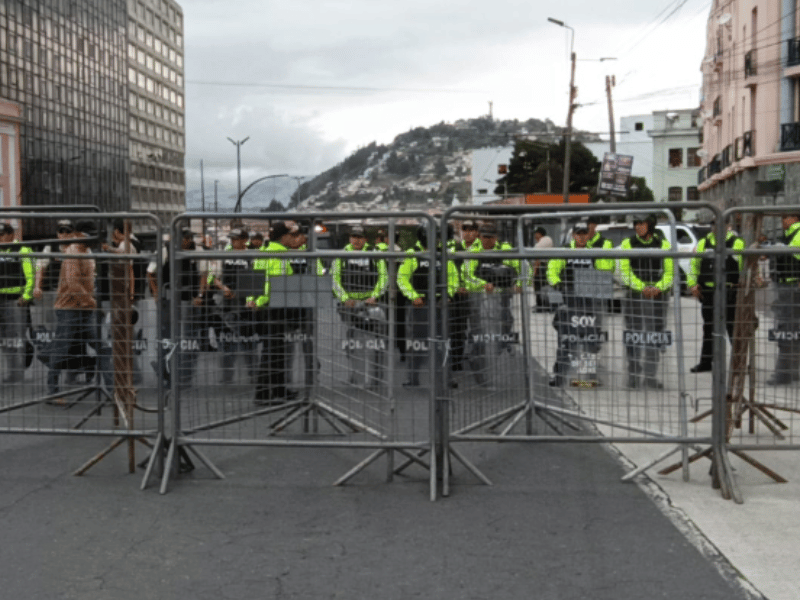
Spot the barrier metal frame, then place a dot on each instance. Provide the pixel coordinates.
(530, 406)
(734, 400)
(103, 398)
(180, 440)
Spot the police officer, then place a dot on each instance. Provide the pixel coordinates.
(304, 327)
(787, 304)
(648, 280)
(237, 325)
(358, 283)
(561, 275)
(272, 320)
(17, 274)
(459, 307)
(256, 240)
(412, 281)
(192, 284)
(493, 275)
(700, 281)
(597, 240)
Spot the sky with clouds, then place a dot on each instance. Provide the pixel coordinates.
(311, 81)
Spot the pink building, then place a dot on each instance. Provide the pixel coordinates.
(9, 153)
(751, 103)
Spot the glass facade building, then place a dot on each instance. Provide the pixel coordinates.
(64, 63)
(100, 88)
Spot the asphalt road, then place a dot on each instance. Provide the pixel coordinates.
(557, 524)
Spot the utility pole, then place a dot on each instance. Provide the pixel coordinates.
(549, 186)
(202, 199)
(572, 94)
(238, 144)
(216, 221)
(611, 82)
(568, 143)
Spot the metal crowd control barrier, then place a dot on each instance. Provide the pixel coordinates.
(759, 399)
(70, 359)
(595, 369)
(303, 368)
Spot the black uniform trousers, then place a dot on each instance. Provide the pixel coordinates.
(707, 312)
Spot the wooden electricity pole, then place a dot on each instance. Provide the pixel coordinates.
(611, 82)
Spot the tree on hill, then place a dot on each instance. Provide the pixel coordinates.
(440, 169)
(273, 207)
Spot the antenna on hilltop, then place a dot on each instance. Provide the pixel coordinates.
(490, 109)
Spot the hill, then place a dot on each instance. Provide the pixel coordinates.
(422, 168)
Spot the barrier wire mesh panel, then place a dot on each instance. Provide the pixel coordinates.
(289, 344)
(595, 343)
(763, 402)
(77, 329)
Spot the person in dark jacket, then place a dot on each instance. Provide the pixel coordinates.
(787, 305)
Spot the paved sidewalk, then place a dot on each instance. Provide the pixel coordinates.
(758, 537)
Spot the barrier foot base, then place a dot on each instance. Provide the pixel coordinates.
(360, 467)
(102, 454)
(469, 466)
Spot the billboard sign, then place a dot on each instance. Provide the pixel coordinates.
(615, 174)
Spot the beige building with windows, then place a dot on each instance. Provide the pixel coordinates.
(751, 103)
(156, 101)
(676, 149)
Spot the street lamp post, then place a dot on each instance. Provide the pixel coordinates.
(568, 141)
(238, 145)
(238, 207)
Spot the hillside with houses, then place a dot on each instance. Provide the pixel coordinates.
(421, 169)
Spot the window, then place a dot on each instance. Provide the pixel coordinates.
(692, 158)
(692, 193)
(683, 236)
(675, 194)
(639, 126)
(675, 157)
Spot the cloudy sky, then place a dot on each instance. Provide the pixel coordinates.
(310, 81)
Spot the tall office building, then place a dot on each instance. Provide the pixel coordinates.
(62, 65)
(156, 106)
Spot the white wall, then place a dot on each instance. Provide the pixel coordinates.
(484, 166)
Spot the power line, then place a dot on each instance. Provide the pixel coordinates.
(332, 88)
(678, 5)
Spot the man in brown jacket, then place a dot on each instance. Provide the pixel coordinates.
(75, 306)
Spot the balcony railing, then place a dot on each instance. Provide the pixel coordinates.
(717, 107)
(750, 64)
(715, 166)
(790, 137)
(749, 143)
(726, 156)
(794, 52)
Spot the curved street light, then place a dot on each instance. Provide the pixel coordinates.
(238, 207)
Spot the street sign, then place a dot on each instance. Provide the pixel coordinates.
(615, 174)
(776, 172)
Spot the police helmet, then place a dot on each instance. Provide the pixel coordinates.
(650, 219)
